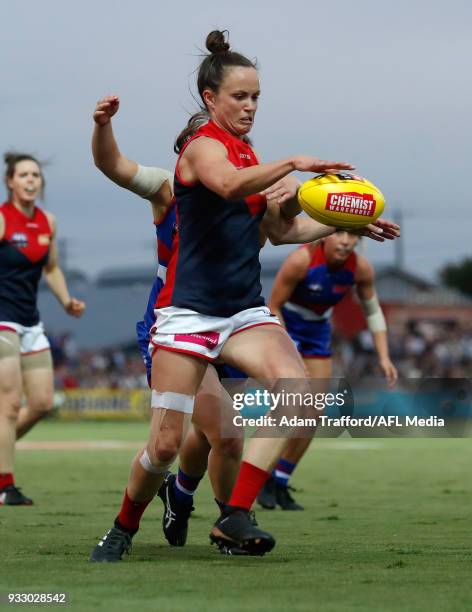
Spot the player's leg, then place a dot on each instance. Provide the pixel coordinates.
(175, 379)
(10, 401)
(204, 446)
(38, 384)
(264, 352)
(213, 416)
(319, 369)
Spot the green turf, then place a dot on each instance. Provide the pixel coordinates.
(386, 527)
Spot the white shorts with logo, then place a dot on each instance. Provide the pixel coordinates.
(186, 331)
(32, 339)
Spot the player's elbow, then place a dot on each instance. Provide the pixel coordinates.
(108, 165)
(274, 234)
(229, 192)
(231, 188)
(103, 165)
(276, 240)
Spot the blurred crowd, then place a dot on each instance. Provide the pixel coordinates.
(112, 368)
(422, 350)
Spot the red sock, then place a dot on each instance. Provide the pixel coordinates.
(131, 512)
(250, 481)
(6, 479)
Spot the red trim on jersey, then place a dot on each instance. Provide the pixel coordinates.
(6, 328)
(256, 203)
(179, 177)
(177, 171)
(255, 325)
(179, 350)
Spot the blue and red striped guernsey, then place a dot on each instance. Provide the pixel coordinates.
(165, 234)
(322, 288)
(24, 251)
(214, 267)
(165, 229)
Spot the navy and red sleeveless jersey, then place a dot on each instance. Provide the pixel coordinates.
(24, 251)
(322, 288)
(214, 268)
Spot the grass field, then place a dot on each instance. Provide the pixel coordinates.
(387, 526)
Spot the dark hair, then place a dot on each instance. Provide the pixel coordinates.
(212, 69)
(11, 160)
(211, 74)
(195, 121)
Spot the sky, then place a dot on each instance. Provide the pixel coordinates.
(383, 85)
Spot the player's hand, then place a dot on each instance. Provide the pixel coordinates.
(390, 372)
(303, 163)
(105, 109)
(283, 190)
(75, 308)
(380, 230)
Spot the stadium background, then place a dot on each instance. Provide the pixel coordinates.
(430, 335)
(387, 522)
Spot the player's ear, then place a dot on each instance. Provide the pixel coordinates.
(209, 96)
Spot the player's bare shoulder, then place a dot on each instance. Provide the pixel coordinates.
(52, 221)
(298, 262)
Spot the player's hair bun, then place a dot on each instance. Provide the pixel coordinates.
(216, 42)
(9, 157)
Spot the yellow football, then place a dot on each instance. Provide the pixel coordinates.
(342, 200)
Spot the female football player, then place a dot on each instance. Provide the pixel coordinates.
(27, 250)
(312, 280)
(210, 305)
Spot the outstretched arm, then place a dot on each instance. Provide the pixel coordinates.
(301, 229)
(365, 289)
(283, 226)
(151, 183)
(205, 160)
(282, 230)
(292, 271)
(106, 154)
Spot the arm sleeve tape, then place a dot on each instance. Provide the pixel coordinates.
(374, 315)
(148, 180)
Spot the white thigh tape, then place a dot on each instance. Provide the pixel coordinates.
(172, 401)
(150, 467)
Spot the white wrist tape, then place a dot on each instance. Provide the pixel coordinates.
(172, 401)
(148, 180)
(374, 315)
(145, 462)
